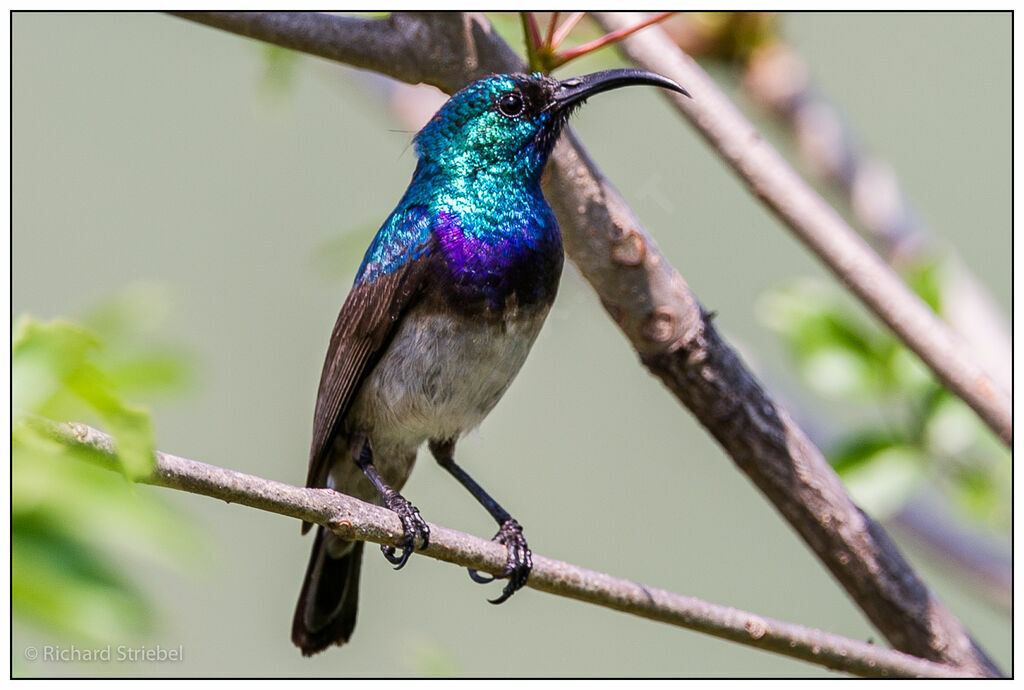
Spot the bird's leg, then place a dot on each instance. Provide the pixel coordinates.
(510, 533)
(413, 525)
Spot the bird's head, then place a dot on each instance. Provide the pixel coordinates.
(513, 120)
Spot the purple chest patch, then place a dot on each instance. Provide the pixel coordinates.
(492, 268)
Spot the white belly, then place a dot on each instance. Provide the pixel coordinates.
(437, 380)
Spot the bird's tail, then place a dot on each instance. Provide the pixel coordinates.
(326, 612)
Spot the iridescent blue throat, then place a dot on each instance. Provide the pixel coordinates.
(474, 208)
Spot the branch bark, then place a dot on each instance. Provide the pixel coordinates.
(662, 319)
(356, 520)
(816, 224)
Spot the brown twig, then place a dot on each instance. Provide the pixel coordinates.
(607, 39)
(777, 79)
(655, 309)
(354, 519)
(815, 223)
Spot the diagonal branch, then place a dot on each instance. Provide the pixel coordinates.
(777, 79)
(354, 519)
(662, 319)
(823, 230)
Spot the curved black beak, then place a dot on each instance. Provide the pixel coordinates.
(574, 90)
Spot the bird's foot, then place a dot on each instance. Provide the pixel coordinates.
(518, 564)
(413, 526)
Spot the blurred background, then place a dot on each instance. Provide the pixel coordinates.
(198, 203)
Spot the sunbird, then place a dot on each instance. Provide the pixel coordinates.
(444, 309)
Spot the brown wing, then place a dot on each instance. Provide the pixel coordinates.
(362, 332)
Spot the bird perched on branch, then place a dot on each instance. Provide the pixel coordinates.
(445, 307)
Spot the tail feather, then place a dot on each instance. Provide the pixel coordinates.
(326, 612)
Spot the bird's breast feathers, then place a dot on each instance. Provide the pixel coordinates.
(441, 374)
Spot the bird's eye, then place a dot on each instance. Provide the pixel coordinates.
(511, 104)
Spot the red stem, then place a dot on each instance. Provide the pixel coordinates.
(551, 30)
(614, 36)
(531, 24)
(565, 28)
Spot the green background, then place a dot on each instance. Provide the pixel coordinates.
(149, 149)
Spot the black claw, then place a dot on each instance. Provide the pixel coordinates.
(413, 527)
(398, 561)
(477, 577)
(517, 565)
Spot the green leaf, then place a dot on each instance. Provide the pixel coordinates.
(862, 448)
(882, 482)
(952, 428)
(279, 68)
(164, 371)
(69, 515)
(51, 360)
(837, 372)
(60, 585)
(925, 278)
(43, 357)
(95, 506)
(130, 426)
(836, 350)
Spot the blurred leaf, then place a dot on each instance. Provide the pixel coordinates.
(932, 433)
(139, 309)
(835, 351)
(72, 519)
(128, 325)
(43, 356)
(907, 374)
(130, 426)
(882, 481)
(951, 428)
(977, 468)
(836, 372)
(279, 68)
(978, 492)
(165, 370)
(66, 587)
(925, 279)
(96, 506)
(862, 449)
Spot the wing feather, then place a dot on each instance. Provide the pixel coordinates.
(362, 332)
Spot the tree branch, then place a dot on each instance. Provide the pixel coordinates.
(815, 223)
(356, 520)
(662, 319)
(776, 78)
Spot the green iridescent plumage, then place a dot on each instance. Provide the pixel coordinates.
(475, 198)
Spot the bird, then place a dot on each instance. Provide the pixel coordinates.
(444, 309)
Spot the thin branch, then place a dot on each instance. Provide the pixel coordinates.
(983, 564)
(777, 79)
(567, 26)
(652, 304)
(552, 25)
(814, 222)
(608, 39)
(532, 27)
(356, 520)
